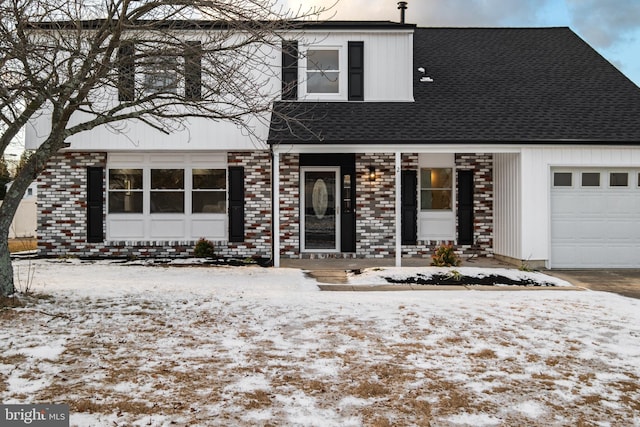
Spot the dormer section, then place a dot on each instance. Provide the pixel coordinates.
(349, 62)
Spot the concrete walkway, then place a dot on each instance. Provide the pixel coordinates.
(332, 274)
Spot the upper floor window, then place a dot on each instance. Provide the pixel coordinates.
(323, 71)
(161, 75)
(157, 71)
(332, 73)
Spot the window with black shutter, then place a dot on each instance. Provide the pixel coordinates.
(193, 71)
(465, 207)
(95, 204)
(409, 206)
(126, 71)
(236, 204)
(356, 71)
(290, 69)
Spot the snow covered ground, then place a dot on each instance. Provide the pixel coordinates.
(159, 346)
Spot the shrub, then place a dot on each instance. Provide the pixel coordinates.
(445, 256)
(203, 249)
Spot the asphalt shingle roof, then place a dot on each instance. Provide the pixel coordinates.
(532, 85)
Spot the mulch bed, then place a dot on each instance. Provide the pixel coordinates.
(458, 280)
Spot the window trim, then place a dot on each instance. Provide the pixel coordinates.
(619, 187)
(125, 191)
(153, 69)
(437, 224)
(582, 185)
(553, 179)
(147, 226)
(137, 71)
(451, 189)
(341, 95)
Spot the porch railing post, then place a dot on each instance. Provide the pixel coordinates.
(275, 226)
(398, 169)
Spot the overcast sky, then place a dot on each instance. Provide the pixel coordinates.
(612, 27)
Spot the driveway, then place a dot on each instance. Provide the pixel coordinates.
(624, 282)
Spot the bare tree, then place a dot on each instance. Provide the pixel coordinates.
(72, 63)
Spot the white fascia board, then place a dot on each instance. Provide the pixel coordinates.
(403, 148)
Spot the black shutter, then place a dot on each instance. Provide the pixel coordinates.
(126, 71)
(193, 71)
(290, 69)
(465, 207)
(95, 199)
(356, 71)
(409, 206)
(236, 204)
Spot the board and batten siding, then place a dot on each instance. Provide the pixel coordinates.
(536, 164)
(388, 64)
(506, 208)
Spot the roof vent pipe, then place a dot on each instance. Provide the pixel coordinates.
(402, 5)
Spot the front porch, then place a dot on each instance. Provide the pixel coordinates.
(376, 207)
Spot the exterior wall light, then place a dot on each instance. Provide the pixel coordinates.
(372, 173)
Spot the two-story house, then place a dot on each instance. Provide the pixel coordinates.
(520, 143)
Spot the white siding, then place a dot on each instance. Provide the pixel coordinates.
(388, 62)
(536, 163)
(506, 209)
(388, 76)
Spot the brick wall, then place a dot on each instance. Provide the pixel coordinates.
(62, 208)
(482, 167)
(257, 205)
(62, 212)
(375, 206)
(290, 205)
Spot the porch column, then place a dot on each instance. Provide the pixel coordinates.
(275, 209)
(398, 170)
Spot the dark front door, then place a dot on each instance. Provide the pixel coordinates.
(345, 197)
(320, 209)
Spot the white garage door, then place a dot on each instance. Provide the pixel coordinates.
(595, 218)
